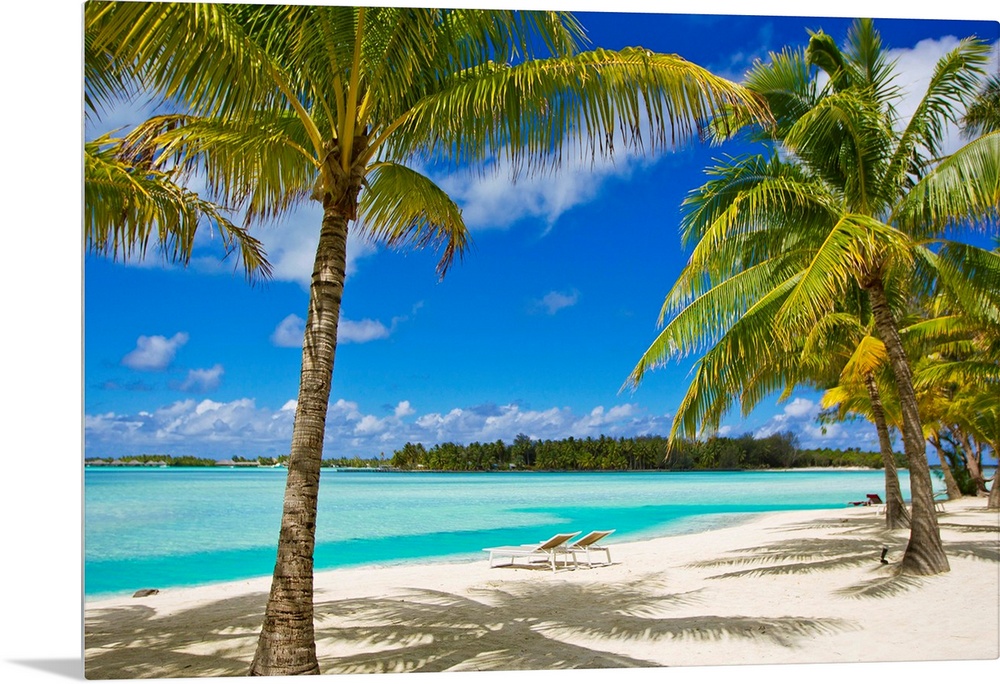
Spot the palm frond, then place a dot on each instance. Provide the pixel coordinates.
(195, 53)
(972, 276)
(785, 83)
(846, 139)
(983, 113)
(854, 245)
(261, 166)
(964, 189)
(401, 207)
(590, 102)
(955, 79)
(130, 205)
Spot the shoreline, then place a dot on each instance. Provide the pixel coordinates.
(707, 522)
(817, 595)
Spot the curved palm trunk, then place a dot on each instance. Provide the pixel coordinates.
(287, 645)
(924, 553)
(993, 502)
(972, 463)
(950, 483)
(896, 515)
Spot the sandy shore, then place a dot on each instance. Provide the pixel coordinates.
(794, 587)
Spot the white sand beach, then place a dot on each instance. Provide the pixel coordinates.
(791, 587)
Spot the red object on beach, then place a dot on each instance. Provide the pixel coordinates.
(870, 500)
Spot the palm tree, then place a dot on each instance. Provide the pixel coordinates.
(863, 390)
(780, 239)
(281, 104)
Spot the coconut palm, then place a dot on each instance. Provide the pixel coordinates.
(283, 104)
(958, 380)
(863, 390)
(840, 203)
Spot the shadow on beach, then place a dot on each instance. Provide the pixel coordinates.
(523, 627)
(533, 627)
(854, 543)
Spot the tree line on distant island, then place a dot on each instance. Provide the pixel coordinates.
(745, 452)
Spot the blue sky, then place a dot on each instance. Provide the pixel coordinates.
(534, 332)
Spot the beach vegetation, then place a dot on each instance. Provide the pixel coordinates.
(275, 106)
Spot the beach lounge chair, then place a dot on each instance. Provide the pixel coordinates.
(875, 501)
(588, 543)
(547, 550)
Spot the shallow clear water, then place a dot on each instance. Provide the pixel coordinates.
(163, 527)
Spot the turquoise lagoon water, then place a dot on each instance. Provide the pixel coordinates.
(166, 527)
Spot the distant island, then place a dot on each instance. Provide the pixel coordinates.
(746, 452)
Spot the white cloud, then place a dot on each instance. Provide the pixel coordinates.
(221, 429)
(154, 352)
(554, 301)
(800, 416)
(289, 332)
(497, 198)
(202, 379)
(404, 409)
(799, 407)
(361, 331)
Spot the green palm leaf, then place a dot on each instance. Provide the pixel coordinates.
(128, 205)
(402, 207)
(964, 189)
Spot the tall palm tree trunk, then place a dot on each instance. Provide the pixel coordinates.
(993, 502)
(286, 645)
(896, 516)
(924, 553)
(950, 483)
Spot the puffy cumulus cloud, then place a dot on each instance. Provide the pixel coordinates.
(555, 301)
(202, 379)
(154, 352)
(799, 407)
(361, 331)
(207, 429)
(222, 429)
(289, 332)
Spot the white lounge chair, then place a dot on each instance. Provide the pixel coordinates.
(588, 543)
(547, 550)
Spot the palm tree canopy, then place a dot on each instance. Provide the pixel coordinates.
(781, 240)
(293, 100)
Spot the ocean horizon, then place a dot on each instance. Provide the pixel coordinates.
(173, 527)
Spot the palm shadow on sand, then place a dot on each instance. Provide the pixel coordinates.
(522, 626)
(854, 543)
(530, 626)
